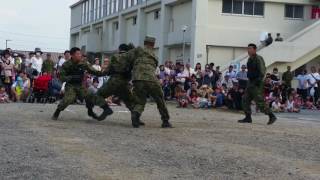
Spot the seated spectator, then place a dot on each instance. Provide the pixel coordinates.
(234, 97)
(4, 97)
(227, 81)
(93, 89)
(193, 88)
(269, 40)
(21, 87)
(182, 99)
(166, 87)
(205, 93)
(207, 76)
(194, 99)
(55, 86)
(309, 103)
(279, 38)
(277, 106)
(290, 106)
(217, 98)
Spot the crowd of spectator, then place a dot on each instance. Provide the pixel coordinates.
(32, 79)
(210, 88)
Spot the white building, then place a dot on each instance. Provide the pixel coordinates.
(215, 30)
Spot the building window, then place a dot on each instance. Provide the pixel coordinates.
(244, 7)
(134, 20)
(157, 14)
(294, 11)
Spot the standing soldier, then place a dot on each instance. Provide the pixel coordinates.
(146, 84)
(119, 71)
(72, 73)
(256, 73)
(287, 78)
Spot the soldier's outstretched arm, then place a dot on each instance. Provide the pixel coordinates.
(92, 71)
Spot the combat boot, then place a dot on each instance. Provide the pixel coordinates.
(135, 118)
(272, 118)
(56, 115)
(166, 124)
(247, 119)
(92, 114)
(106, 112)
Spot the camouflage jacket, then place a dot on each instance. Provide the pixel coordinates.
(256, 68)
(73, 73)
(144, 64)
(120, 65)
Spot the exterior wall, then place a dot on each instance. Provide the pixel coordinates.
(131, 31)
(249, 28)
(219, 54)
(175, 54)
(211, 36)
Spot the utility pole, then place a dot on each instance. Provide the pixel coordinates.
(7, 40)
(184, 29)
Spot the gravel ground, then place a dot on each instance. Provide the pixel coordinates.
(205, 144)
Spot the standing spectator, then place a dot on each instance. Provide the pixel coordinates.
(161, 73)
(105, 63)
(61, 60)
(198, 73)
(7, 72)
(313, 80)
(242, 77)
(23, 63)
(232, 74)
(275, 77)
(188, 70)
(28, 60)
(303, 84)
(279, 38)
(96, 65)
(37, 61)
(48, 65)
(207, 76)
(287, 78)
(17, 62)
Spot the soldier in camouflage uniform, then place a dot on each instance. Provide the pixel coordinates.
(119, 71)
(72, 73)
(254, 91)
(145, 83)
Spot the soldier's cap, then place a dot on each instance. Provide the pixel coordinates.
(149, 39)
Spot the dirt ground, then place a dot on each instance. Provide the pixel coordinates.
(205, 144)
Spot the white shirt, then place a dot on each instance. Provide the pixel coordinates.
(189, 72)
(27, 62)
(37, 64)
(60, 62)
(232, 74)
(290, 105)
(276, 105)
(181, 77)
(312, 79)
(303, 81)
(96, 67)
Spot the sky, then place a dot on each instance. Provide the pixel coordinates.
(35, 23)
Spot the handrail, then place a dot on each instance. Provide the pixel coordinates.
(291, 39)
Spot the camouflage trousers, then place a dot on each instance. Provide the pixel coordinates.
(254, 92)
(72, 93)
(117, 86)
(143, 89)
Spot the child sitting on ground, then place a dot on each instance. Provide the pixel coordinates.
(217, 98)
(277, 106)
(182, 99)
(309, 103)
(205, 93)
(194, 99)
(4, 98)
(291, 107)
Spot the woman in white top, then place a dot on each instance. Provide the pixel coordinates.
(37, 62)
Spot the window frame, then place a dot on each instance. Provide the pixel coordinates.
(243, 9)
(293, 11)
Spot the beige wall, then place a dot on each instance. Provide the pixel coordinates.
(222, 56)
(153, 27)
(131, 31)
(175, 53)
(238, 30)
